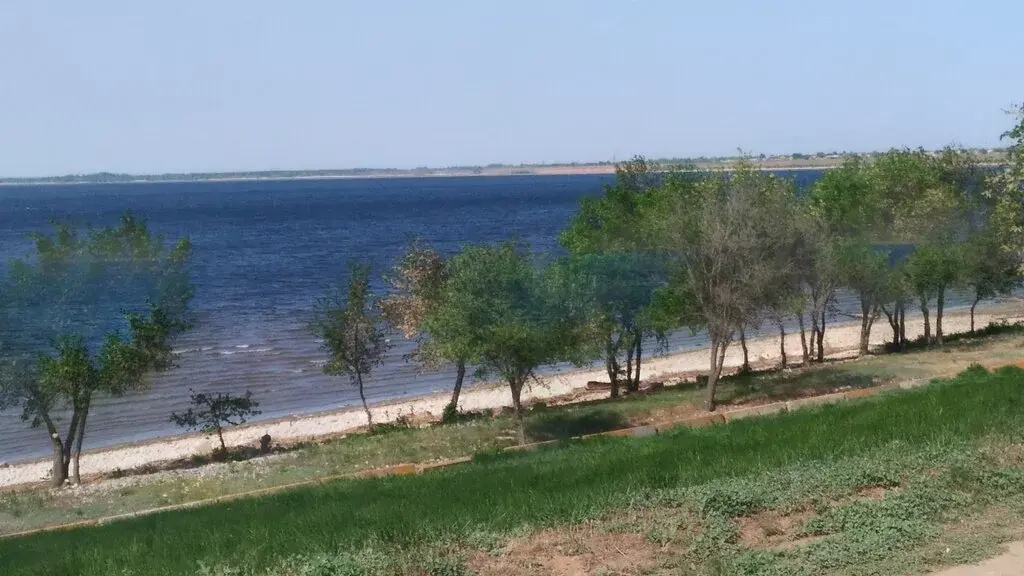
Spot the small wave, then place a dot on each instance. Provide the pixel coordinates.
(180, 351)
(227, 352)
(206, 348)
(242, 346)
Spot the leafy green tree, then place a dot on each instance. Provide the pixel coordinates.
(86, 315)
(605, 236)
(932, 270)
(731, 262)
(989, 269)
(413, 307)
(211, 413)
(849, 210)
(620, 286)
(865, 270)
(352, 331)
(515, 318)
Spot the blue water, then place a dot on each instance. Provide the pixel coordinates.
(264, 251)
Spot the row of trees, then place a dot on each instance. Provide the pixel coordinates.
(723, 253)
(95, 312)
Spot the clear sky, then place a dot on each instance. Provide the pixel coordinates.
(204, 85)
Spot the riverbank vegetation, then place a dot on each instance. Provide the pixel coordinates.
(810, 492)
(725, 254)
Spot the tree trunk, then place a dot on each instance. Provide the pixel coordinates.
(718, 348)
(782, 343)
(867, 317)
(362, 396)
(803, 338)
(821, 337)
(460, 374)
(927, 321)
(517, 390)
(76, 456)
(973, 306)
(940, 301)
(635, 384)
(894, 324)
(220, 435)
(903, 326)
(60, 469)
(629, 366)
(746, 356)
(612, 365)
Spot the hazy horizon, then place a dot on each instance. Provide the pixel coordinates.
(121, 87)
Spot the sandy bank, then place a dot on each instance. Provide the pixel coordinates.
(840, 339)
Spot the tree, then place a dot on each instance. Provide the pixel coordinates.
(515, 317)
(620, 289)
(846, 211)
(864, 269)
(88, 315)
(412, 309)
(730, 261)
(989, 269)
(352, 331)
(605, 237)
(211, 413)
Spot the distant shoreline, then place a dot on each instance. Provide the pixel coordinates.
(552, 171)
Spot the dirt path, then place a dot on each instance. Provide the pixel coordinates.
(1010, 563)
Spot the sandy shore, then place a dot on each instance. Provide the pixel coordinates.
(839, 339)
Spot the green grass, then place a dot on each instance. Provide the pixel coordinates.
(567, 484)
(480, 433)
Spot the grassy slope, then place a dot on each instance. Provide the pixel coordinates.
(567, 484)
(39, 508)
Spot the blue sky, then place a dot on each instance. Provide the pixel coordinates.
(135, 86)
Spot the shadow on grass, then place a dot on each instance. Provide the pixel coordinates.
(960, 340)
(559, 425)
(775, 385)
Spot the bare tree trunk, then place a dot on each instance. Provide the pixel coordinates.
(220, 435)
(821, 337)
(629, 366)
(743, 345)
(973, 306)
(362, 396)
(894, 323)
(59, 472)
(940, 301)
(460, 374)
(903, 326)
(803, 337)
(635, 384)
(782, 343)
(612, 365)
(927, 321)
(867, 319)
(517, 390)
(76, 456)
(718, 348)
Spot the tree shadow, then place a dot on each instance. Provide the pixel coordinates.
(778, 385)
(559, 425)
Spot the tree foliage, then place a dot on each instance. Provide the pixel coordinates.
(352, 331)
(731, 262)
(210, 413)
(511, 316)
(89, 313)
